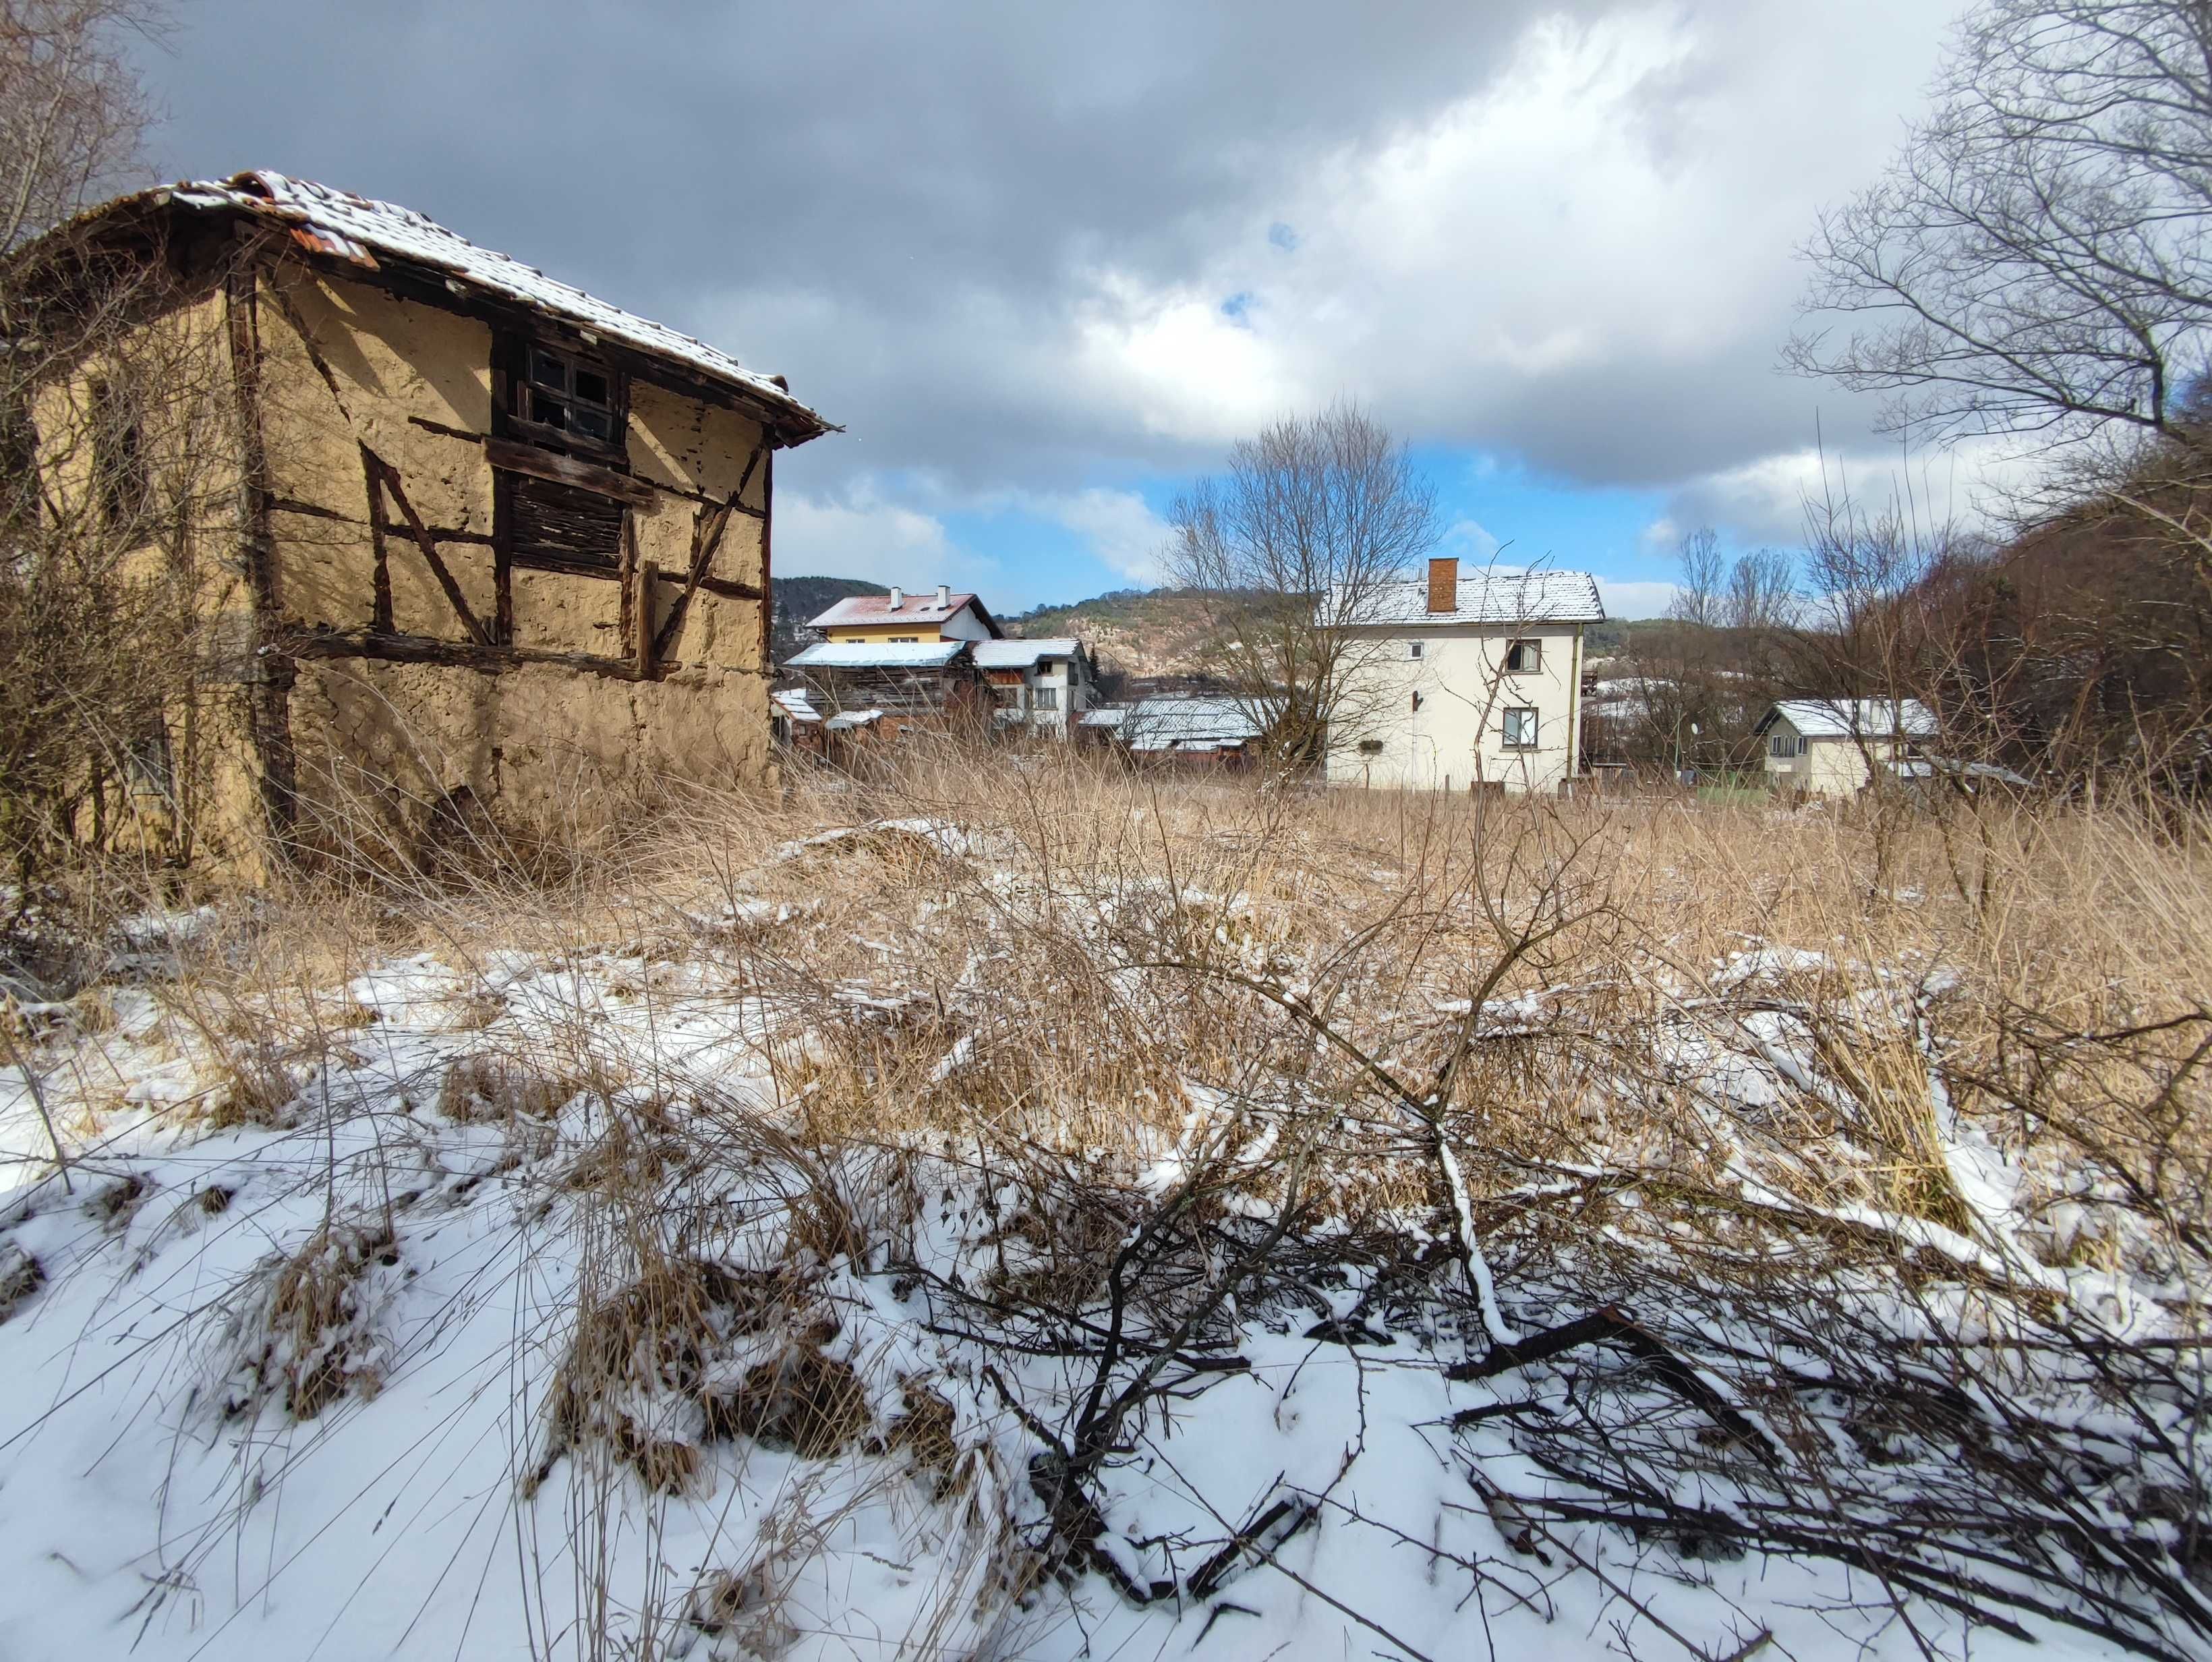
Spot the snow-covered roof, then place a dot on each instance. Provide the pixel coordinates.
(794, 704)
(846, 721)
(1188, 721)
(1934, 767)
(1854, 718)
(1483, 597)
(1105, 716)
(358, 229)
(1020, 654)
(878, 654)
(855, 610)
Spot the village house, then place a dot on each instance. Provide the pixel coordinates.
(494, 538)
(889, 662)
(1039, 686)
(1832, 746)
(1465, 679)
(904, 618)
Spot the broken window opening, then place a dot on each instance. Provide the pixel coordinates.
(565, 398)
(120, 474)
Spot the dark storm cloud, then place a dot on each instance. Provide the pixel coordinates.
(956, 228)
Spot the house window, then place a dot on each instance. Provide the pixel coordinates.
(565, 397)
(1786, 744)
(1045, 698)
(1417, 703)
(118, 456)
(902, 640)
(1008, 698)
(1524, 657)
(1414, 647)
(146, 762)
(1521, 728)
(1371, 746)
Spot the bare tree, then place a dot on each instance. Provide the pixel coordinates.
(1697, 598)
(1289, 548)
(117, 421)
(72, 113)
(1762, 591)
(2036, 261)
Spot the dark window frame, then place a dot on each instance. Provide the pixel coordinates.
(1533, 741)
(1530, 650)
(563, 398)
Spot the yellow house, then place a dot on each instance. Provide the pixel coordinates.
(497, 552)
(910, 617)
(1832, 746)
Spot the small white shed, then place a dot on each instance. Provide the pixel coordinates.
(1823, 747)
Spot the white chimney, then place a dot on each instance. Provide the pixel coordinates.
(898, 597)
(944, 596)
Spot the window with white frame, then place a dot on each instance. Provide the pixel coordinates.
(1786, 744)
(1045, 698)
(1414, 647)
(1521, 728)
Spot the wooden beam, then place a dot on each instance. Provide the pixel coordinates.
(649, 580)
(568, 470)
(767, 580)
(271, 702)
(390, 647)
(423, 540)
(707, 528)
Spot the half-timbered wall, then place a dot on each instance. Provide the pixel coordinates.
(603, 634)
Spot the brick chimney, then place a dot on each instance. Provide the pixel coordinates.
(1443, 585)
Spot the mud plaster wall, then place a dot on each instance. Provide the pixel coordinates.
(539, 746)
(179, 365)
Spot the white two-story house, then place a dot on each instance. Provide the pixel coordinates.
(1042, 685)
(1467, 679)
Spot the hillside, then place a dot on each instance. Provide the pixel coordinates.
(1135, 631)
(796, 599)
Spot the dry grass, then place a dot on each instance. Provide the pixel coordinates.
(1697, 1054)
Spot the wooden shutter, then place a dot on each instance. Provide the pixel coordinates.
(558, 525)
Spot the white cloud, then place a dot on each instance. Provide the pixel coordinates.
(1635, 599)
(857, 534)
(1123, 532)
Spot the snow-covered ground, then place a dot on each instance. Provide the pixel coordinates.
(525, 1317)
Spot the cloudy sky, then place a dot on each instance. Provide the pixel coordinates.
(1045, 261)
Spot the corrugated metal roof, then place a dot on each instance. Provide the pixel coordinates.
(878, 654)
(796, 705)
(855, 609)
(1106, 716)
(1188, 721)
(1484, 597)
(1020, 654)
(358, 229)
(1855, 718)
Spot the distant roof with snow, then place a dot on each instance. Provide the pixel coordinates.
(358, 229)
(1020, 654)
(795, 704)
(1185, 722)
(1104, 715)
(855, 610)
(878, 654)
(1485, 597)
(1854, 718)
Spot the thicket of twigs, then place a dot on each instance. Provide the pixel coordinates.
(1827, 1186)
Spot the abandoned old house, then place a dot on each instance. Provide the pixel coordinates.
(494, 545)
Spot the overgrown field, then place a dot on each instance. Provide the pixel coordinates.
(1035, 1212)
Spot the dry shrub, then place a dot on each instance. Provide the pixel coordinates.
(801, 1401)
(20, 1277)
(256, 1086)
(315, 1339)
(639, 1375)
(489, 1086)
